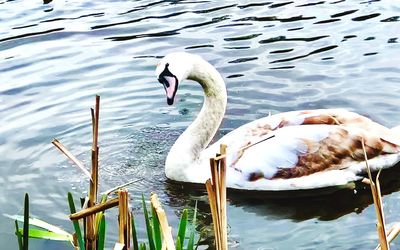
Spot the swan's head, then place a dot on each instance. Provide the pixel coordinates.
(173, 69)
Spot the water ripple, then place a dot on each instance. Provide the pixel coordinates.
(274, 56)
(30, 34)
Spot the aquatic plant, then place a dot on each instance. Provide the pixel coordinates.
(158, 230)
(216, 189)
(385, 237)
(90, 222)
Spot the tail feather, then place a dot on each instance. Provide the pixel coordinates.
(396, 134)
(396, 130)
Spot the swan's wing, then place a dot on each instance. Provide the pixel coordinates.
(341, 117)
(302, 153)
(310, 149)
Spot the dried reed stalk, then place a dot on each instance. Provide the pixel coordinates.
(124, 219)
(216, 189)
(75, 241)
(70, 156)
(109, 191)
(222, 175)
(219, 157)
(168, 241)
(392, 234)
(377, 197)
(90, 235)
(95, 209)
(214, 211)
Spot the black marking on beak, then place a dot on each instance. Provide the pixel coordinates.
(162, 79)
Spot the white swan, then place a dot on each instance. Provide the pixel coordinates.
(309, 149)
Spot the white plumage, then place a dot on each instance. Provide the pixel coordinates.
(306, 149)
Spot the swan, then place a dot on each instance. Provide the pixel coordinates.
(296, 150)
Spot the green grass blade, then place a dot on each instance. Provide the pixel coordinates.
(100, 215)
(134, 234)
(102, 233)
(103, 198)
(182, 227)
(77, 228)
(148, 226)
(178, 244)
(25, 242)
(156, 229)
(40, 224)
(46, 235)
(190, 245)
(194, 216)
(142, 246)
(19, 236)
(83, 200)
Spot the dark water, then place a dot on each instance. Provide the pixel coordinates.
(274, 55)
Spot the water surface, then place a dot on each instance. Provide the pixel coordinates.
(275, 56)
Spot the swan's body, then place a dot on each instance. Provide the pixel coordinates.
(308, 149)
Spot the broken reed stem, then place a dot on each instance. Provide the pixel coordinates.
(392, 234)
(216, 197)
(124, 219)
(109, 191)
(90, 236)
(224, 224)
(70, 156)
(213, 208)
(93, 186)
(394, 231)
(376, 195)
(223, 155)
(168, 241)
(95, 209)
(216, 190)
(75, 242)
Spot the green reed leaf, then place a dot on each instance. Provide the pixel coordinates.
(178, 245)
(182, 227)
(102, 232)
(148, 226)
(46, 235)
(77, 228)
(193, 229)
(19, 236)
(156, 229)
(134, 234)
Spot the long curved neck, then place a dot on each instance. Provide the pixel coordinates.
(187, 149)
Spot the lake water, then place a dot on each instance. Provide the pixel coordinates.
(274, 56)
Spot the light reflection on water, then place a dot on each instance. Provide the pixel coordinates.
(274, 55)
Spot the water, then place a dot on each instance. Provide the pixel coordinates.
(274, 55)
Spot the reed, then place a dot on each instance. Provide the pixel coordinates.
(384, 237)
(95, 209)
(90, 223)
(168, 242)
(124, 219)
(216, 189)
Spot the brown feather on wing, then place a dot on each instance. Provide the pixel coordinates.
(334, 152)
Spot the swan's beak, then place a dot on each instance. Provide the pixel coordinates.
(170, 86)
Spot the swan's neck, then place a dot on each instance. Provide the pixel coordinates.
(186, 152)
